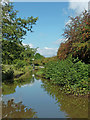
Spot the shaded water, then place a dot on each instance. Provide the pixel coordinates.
(38, 98)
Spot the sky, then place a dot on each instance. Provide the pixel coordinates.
(52, 18)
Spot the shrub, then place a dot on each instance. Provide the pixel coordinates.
(7, 75)
(72, 74)
(39, 72)
(38, 56)
(20, 64)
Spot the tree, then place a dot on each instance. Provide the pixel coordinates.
(77, 33)
(13, 28)
(38, 56)
(11, 51)
(28, 52)
(78, 29)
(13, 31)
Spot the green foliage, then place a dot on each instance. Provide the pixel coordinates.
(40, 72)
(13, 30)
(8, 88)
(12, 52)
(38, 59)
(42, 61)
(28, 52)
(46, 60)
(10, 73)
(20, 64)
(77, 33)
(7, 75)
(13, 27)
(25, 78)
(72, 75)
(38, 56)
(38, 62)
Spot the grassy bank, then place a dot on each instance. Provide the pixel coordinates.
(19, 77)
(10, 73)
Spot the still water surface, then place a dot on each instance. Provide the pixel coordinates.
(43, 100)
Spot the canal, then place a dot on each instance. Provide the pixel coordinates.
(37, 98)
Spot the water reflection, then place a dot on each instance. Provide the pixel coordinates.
(75, 107)
(16, 110)
(42, 97)
(10, 88)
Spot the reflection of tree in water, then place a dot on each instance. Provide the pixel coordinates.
(74, 107)
(27, 80)
(10, 88)
(37, 77)
(16, 110)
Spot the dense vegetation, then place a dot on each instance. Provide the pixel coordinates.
(12, 52)
(77, 34)
(71, 75)
(69, 69)
(42, 60)
(15, 56)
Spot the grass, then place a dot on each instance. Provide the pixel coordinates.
(17, 72)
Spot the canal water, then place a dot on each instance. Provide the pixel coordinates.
(37, 98)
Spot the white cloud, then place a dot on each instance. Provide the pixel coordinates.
(31, 45)
(47, 52)
(29, 85)
(78, 5)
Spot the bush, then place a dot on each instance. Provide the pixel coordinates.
(39, 72)
(38, 56)
(70, 73)
(7, 75)
(20, 64)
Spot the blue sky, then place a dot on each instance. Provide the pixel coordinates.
(51, 23)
